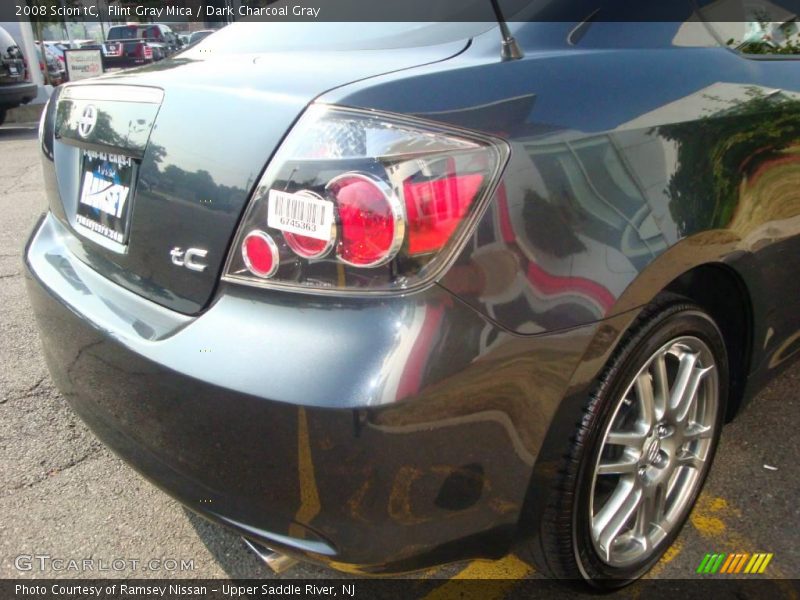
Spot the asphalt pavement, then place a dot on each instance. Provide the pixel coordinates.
(64, 495)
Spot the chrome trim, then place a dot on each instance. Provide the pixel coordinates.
(87, 121)
(274, 560)
(42, 118)
(331, 240)
(112, 92)
(190, 259)
(395, 206)
(273, 247)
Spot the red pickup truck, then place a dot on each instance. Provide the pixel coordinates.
(138, 44)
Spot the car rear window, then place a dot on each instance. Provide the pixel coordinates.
(252, 37)
(151, 32)
(130, 32)
(8, 47)
(756, 27)
(122, 33)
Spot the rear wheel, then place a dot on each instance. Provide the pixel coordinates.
(2, 115)
(642, 451)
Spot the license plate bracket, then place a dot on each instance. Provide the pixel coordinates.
(104, 201)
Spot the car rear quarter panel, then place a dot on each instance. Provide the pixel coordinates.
(627, 170)
(349, 429)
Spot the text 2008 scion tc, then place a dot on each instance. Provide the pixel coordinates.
(392, 295)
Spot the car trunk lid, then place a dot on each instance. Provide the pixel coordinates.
(184, 142)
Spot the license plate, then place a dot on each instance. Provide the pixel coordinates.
(104, 204)
(12, 70)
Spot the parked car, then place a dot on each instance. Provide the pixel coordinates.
(197, 36)
(67, 44)
(422, 292)
(137, 44)
(57, 49)
(56, 67)
(15, 87)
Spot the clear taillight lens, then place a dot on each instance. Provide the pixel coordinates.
(359, 201)
(114, 49)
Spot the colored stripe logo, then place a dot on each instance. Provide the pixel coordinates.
(731, 564)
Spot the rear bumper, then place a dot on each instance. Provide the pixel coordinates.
(379, 436)
(12, 95)
(122, 62)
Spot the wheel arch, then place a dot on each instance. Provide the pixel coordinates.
(721, 290)
(709, 269)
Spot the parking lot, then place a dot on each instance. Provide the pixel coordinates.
(64, 495)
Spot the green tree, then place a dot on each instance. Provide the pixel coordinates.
(716, 152)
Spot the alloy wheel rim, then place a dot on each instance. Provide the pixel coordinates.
(654, 452)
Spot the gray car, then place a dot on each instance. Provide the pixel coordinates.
(387, 296)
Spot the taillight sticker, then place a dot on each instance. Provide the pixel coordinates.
(300, 214)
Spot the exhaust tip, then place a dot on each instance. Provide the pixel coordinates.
(274, 560)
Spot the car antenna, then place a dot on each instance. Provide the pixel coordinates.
(510, 50)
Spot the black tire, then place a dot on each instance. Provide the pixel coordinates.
(563, 547)
(2, 115)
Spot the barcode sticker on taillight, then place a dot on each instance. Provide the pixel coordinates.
(300, 214)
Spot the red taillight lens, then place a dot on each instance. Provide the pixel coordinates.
(143, 51)
(435, 208)
(371, 219)
(306, 247)
(393, 196)
(260, 254)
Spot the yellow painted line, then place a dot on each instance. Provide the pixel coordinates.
(670, 555)
(309, 495)
(707, 516)
(634, 592)
(510, 567)
(504, 575)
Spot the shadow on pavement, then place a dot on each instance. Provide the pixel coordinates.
(15, 131)
(228, 549)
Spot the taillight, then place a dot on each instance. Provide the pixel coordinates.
(143, 51)
(371, 219)
(114, 49)
(436, 207)
(260, 254)
(357, 201)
